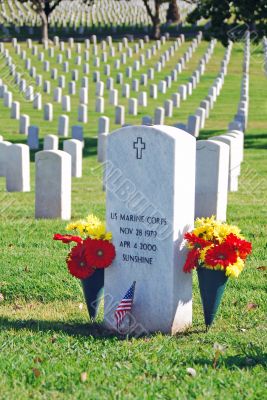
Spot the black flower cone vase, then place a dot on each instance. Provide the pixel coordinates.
(211, 284)
(93, 288)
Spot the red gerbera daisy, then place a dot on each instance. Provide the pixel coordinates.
(67, 238)
(221, 254)
(242, 247)
(196, 241)
(77, 264)
(99, 253)
(191, 260)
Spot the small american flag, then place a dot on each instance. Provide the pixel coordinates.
(125, 305)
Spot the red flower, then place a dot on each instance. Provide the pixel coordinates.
(191, 260)
(99, 253)
(67, 238)
(196, 241)
(77, 264)
(221, 254)
(242, 247)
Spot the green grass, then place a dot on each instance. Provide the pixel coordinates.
(45, 339)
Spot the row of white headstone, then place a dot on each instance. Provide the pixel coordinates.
(79, 16)
(63, 120)
(240, 120)
(195, 122)
(15, 161)
(66, 102)
(218, 162)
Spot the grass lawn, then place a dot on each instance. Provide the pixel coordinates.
(46, 340)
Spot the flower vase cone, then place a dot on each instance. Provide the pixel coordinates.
(211, 284)
(93, 288)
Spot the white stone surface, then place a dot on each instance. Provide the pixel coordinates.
(3, 156)
(77, 132)
(33, 137)
(53, 184)
(120, 115)
(150, 205)
(15, 110)
(212, 168)
(51, 142)
(234, 160)
(193, 125)
(24, 123)
(18, 168)
(48, 112)
(83, 113)
(75, 149)
(159, 116)
(63, 125)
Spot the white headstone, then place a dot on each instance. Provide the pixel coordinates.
(234, 160)
(48, 112)
(63, 125)
(77, 132)
(15, 110)
(159, 116)
(3, 157)
(51, 142)
(83, 113)
(150, 205)
(24, 123)
(75, 149)
(18, 168)
(212, 166)
(33, 137)
(120, 115)
(53, 184)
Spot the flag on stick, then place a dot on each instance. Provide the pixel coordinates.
(125, 305)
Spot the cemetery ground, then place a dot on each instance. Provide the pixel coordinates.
(48, 348)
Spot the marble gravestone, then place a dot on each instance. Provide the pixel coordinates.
(212, 167)
(53, 184)
(150, 205)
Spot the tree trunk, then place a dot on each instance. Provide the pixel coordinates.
(156, 28)
(45, 27)
(156, 21)
(173, 14)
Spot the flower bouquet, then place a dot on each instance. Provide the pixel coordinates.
(217, 251)
(87, 259)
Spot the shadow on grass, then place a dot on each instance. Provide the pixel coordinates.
(72, 329)
(239, 361)
(257, 141)
(97, 330)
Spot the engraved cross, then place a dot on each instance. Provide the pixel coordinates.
(139, 146)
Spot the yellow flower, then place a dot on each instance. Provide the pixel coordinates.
(91, 227)
(203, 252)
(234, 270)
(77, 226)
(71, 226)
(93, 220)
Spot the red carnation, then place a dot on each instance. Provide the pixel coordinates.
(196, 241)
(99, 253)
(77, 263)
(221, 254)
(242, 247)
(67, 238)
(191, 260)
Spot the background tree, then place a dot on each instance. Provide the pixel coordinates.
(44, 8)
(173, 14)
(154, 15)
(230, 18)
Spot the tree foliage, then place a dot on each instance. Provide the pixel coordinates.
(230, 18)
